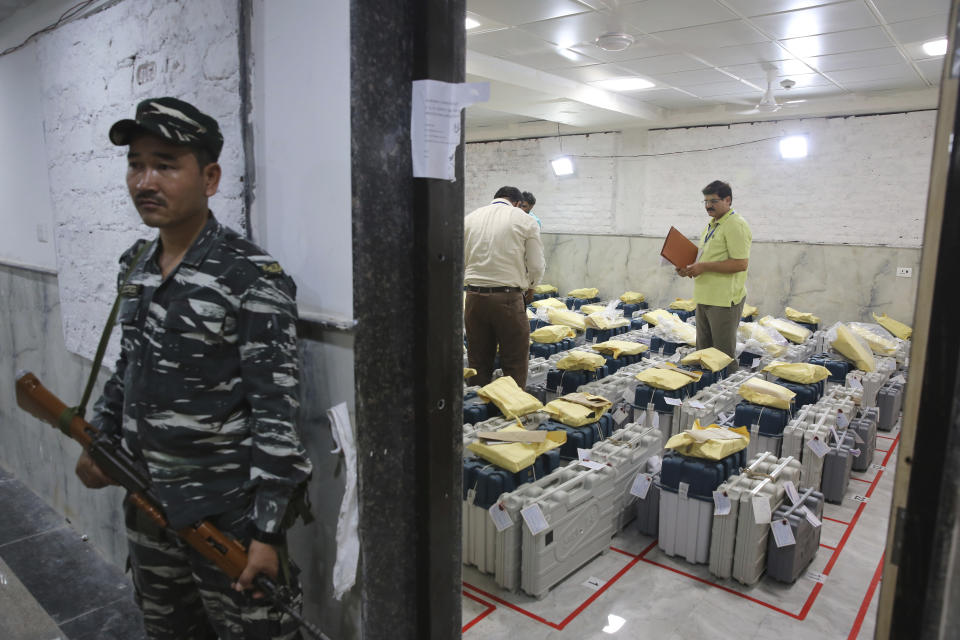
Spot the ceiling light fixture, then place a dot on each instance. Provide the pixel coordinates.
(614, 41)
(935, 47)
(471, 23)
(562, 166)
(793, 147)
(623, 84)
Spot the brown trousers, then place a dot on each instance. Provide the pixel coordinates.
(496, 320)
(717, 327)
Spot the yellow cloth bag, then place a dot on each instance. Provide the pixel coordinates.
(713, 442)
(468, 372)
(683, 304)
(667, 379)
(592, 308)
(581, 361)
(602, 321)
(632, 297)
(517, 455)
(509, 397)
(711, 358)
(877, 343)
(800, 316)
(656, 316)
(895, 327)
(549, 303)
(588, 292)
(748, 310)
(552, 333)
(800, 372)
(766, 393)
(545, 288)
(616, 348)
(568, 318)
(578, 409)
(846, 343)
(792, 332)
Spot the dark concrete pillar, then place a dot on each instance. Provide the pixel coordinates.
(408, 276)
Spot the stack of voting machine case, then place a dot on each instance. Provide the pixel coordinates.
(686, 502)
(627, 451)
(890, 402)
(563, 382)
(785, 564)
(837, 465)
(865, 429)
(547, 349)
(739, 538)
(580, 437)
(765, 424)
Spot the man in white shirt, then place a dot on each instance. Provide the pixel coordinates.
(503, 260)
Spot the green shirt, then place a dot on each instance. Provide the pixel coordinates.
(728, 237)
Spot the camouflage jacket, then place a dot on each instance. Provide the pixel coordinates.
(206, 387)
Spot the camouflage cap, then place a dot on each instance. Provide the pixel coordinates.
(174, 120)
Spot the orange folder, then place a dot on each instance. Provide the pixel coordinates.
(678, 249)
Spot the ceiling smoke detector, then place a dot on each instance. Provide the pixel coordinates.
(788, 84)
(614, 41)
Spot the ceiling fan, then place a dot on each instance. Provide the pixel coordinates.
(768, 103)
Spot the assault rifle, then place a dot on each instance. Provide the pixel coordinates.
(225, 552)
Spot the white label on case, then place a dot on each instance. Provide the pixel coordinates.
(792, 492)
(641, 485)
(761, 509)
(592, 465)
(619, 416)
(842, 420)
(583, 454)
(676, 402)
(818, 447)
(501, 519)
(756, 363)
(682, 489)
(812, 518)
(535, 519)
(696, 404)
(721, 503)
(782, 533)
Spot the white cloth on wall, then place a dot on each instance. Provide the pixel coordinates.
(348, 542)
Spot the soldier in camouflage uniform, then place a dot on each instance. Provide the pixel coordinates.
(206, 387)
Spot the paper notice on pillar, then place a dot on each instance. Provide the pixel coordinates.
(435, 124)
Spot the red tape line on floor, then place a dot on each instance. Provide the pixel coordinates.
(862, 613)
(490, 609)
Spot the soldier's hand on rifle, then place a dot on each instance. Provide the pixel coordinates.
(261, 558)
(90, 474)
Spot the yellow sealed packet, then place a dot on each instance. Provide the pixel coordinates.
(578, 409)
(552, 333)
(517, 456)
(711, 358)
(801, 316)
(586, 293)
(602, 321)
(879, 344)
(581, 361)
(669, 379)
(549, 303)
(766, 393)
(509, 397)
(748, 310)
(789, 330)
(656, 316)
(569, 318)
(683, 304)
(895, 327)
(632, 297)
(545, 288)
(468, 372)
(753, 332)
(616, 348)
(847, 344)
(592, 308)
(712, 443)
(800, 372)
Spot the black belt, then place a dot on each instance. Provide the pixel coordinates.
(474, 289)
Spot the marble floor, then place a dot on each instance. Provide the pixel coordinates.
(634, 590)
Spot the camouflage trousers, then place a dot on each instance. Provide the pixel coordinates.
(184, 596)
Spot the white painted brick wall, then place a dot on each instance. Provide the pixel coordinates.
(89, 79)
(864, 181)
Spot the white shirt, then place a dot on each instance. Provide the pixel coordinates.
(502, 247)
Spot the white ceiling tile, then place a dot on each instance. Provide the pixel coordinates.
(593, 73)
(759, 52)
(891, 84)
(662, 15)
(842, 42)
(931, 69)
(507, 43)
(663, 64)
(552, 60)
(885, 72)
(758, 70)
(900, 10)
(576, 29)
(514, 12)
(855, 60)
(762, 7)
(687, 79)
(802, 80)
(815, 21)
(727, 88)
(671, 99)
(921, 29)
(644, 47)
(722, 34)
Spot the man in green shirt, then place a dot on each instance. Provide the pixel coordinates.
(720, 272)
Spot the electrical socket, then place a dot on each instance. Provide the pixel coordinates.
(42, 234)
(904, 272)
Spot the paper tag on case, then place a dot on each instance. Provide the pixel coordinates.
(535, 519)
(842, 420)
(676, 402)
(619, 416)
(756, 363)
(641, 485)
(721, 503)
(812, 518)
(818, 447)
(855, 384)
(782, 533)
(656, 420)
(501, 519)
(792, 492)
(682, 489)
(761, 509)
(583, 454)
(592, 465)
(696, 404)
